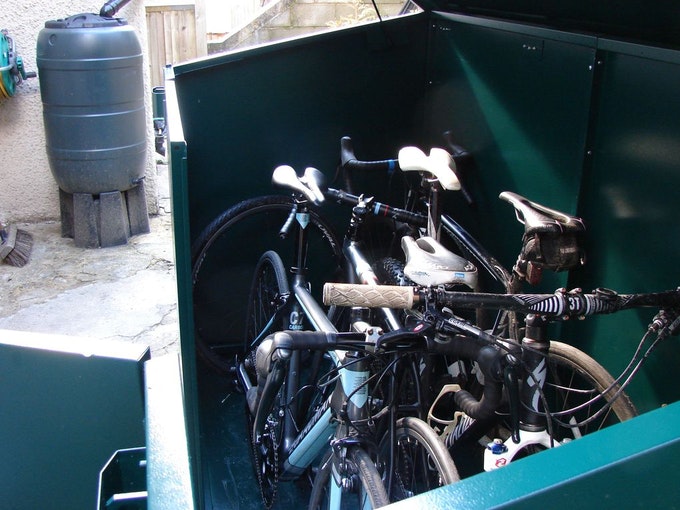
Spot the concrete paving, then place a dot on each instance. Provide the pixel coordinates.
(124, 293)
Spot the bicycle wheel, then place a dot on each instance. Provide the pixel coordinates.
(421, 461)
(574, 379)
(390, 271)
(368, 493)
(224, 256)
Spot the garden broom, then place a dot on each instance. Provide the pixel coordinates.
(16, 245)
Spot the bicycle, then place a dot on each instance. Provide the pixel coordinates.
(564, 356)
(551, 241)
(517, 371)
(287, 437)
(261, 223)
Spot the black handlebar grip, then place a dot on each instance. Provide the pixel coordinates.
(304, 340)
(349, 161)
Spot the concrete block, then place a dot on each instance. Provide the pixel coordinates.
(137, 211)
(85, 221)
(106, 219)
(114, 228)
(66, 213)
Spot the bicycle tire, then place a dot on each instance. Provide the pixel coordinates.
(390, 271)
(371, 488)
(269, 287)
(422, 461)
(223, 258)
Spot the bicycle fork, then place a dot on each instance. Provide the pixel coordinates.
(528, 424)
(528, 418)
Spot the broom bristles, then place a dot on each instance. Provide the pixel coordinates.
(16, 246)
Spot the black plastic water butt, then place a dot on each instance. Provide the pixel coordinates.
(91, 83)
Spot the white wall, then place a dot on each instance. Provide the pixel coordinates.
(28, 191)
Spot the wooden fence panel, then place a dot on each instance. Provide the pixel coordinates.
(176, 34)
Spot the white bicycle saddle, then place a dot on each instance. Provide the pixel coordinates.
(429, 263)
(439, 163)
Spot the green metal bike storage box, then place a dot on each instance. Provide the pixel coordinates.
(572, 106)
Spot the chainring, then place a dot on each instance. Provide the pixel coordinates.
(266, 459)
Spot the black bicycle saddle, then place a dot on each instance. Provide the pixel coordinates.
(539, 218)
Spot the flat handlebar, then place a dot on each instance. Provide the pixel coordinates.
(561, 304)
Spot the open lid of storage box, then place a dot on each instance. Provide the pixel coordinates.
(653, 23)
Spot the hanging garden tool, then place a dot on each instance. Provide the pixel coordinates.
(12, 71)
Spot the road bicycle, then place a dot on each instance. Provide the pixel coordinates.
(305, 395)
(223, 251)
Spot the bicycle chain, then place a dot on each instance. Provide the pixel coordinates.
(268, 500)
(397, 472)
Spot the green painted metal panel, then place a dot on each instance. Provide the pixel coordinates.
(652, 22)
(179, 183)
(518, 98)
(67, 405)
(247, 112)
(630, 465)
(168, 448)
(631, 199)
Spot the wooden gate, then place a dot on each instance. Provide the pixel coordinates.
(176, 33)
